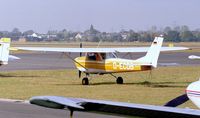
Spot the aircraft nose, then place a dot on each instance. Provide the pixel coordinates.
(193, 93)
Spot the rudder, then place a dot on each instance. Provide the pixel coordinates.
(153, 53)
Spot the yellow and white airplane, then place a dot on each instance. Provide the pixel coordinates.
(105, 61)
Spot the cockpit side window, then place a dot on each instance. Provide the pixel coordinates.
(103, 56)
(100, 56)
(94, 56)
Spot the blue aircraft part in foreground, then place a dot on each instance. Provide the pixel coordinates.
(115, 108)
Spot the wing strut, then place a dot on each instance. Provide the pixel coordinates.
(177, 101)
(75, 61)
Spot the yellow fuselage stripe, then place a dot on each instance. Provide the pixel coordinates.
(116, 65)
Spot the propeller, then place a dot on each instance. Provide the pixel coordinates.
(177, 101)
(79, 72)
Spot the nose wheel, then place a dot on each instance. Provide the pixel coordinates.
(85, 81)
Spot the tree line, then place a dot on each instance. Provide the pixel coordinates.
(171, 34)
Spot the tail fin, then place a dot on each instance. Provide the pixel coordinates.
(4, 50)
(153, 53)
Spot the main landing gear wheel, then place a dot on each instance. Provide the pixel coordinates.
(85, 81)
(119, 80)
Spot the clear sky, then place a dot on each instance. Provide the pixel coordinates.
(105, 15)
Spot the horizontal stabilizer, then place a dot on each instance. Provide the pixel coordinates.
(12, 57)
(168, 64)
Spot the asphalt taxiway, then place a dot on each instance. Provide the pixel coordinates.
(43, 61)
(10, 109)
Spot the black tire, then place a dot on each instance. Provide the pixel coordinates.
(85, 81)
(119, 80)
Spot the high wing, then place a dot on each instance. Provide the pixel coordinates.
(103, 50)
(116, 108)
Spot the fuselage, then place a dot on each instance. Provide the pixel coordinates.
(111, 65)
(193, 93)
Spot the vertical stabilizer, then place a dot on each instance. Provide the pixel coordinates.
(153, 53)
(4, 50)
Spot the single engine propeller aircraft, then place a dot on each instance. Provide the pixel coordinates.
(105, 61)
(126, 109)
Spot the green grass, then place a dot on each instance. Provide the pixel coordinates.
(164, 84)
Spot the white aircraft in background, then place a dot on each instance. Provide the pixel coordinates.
(4, 51)
(169, 110)
(193, 92)
(105, 61)
(194, 57)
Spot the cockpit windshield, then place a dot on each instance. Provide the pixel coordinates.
(110, 55)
